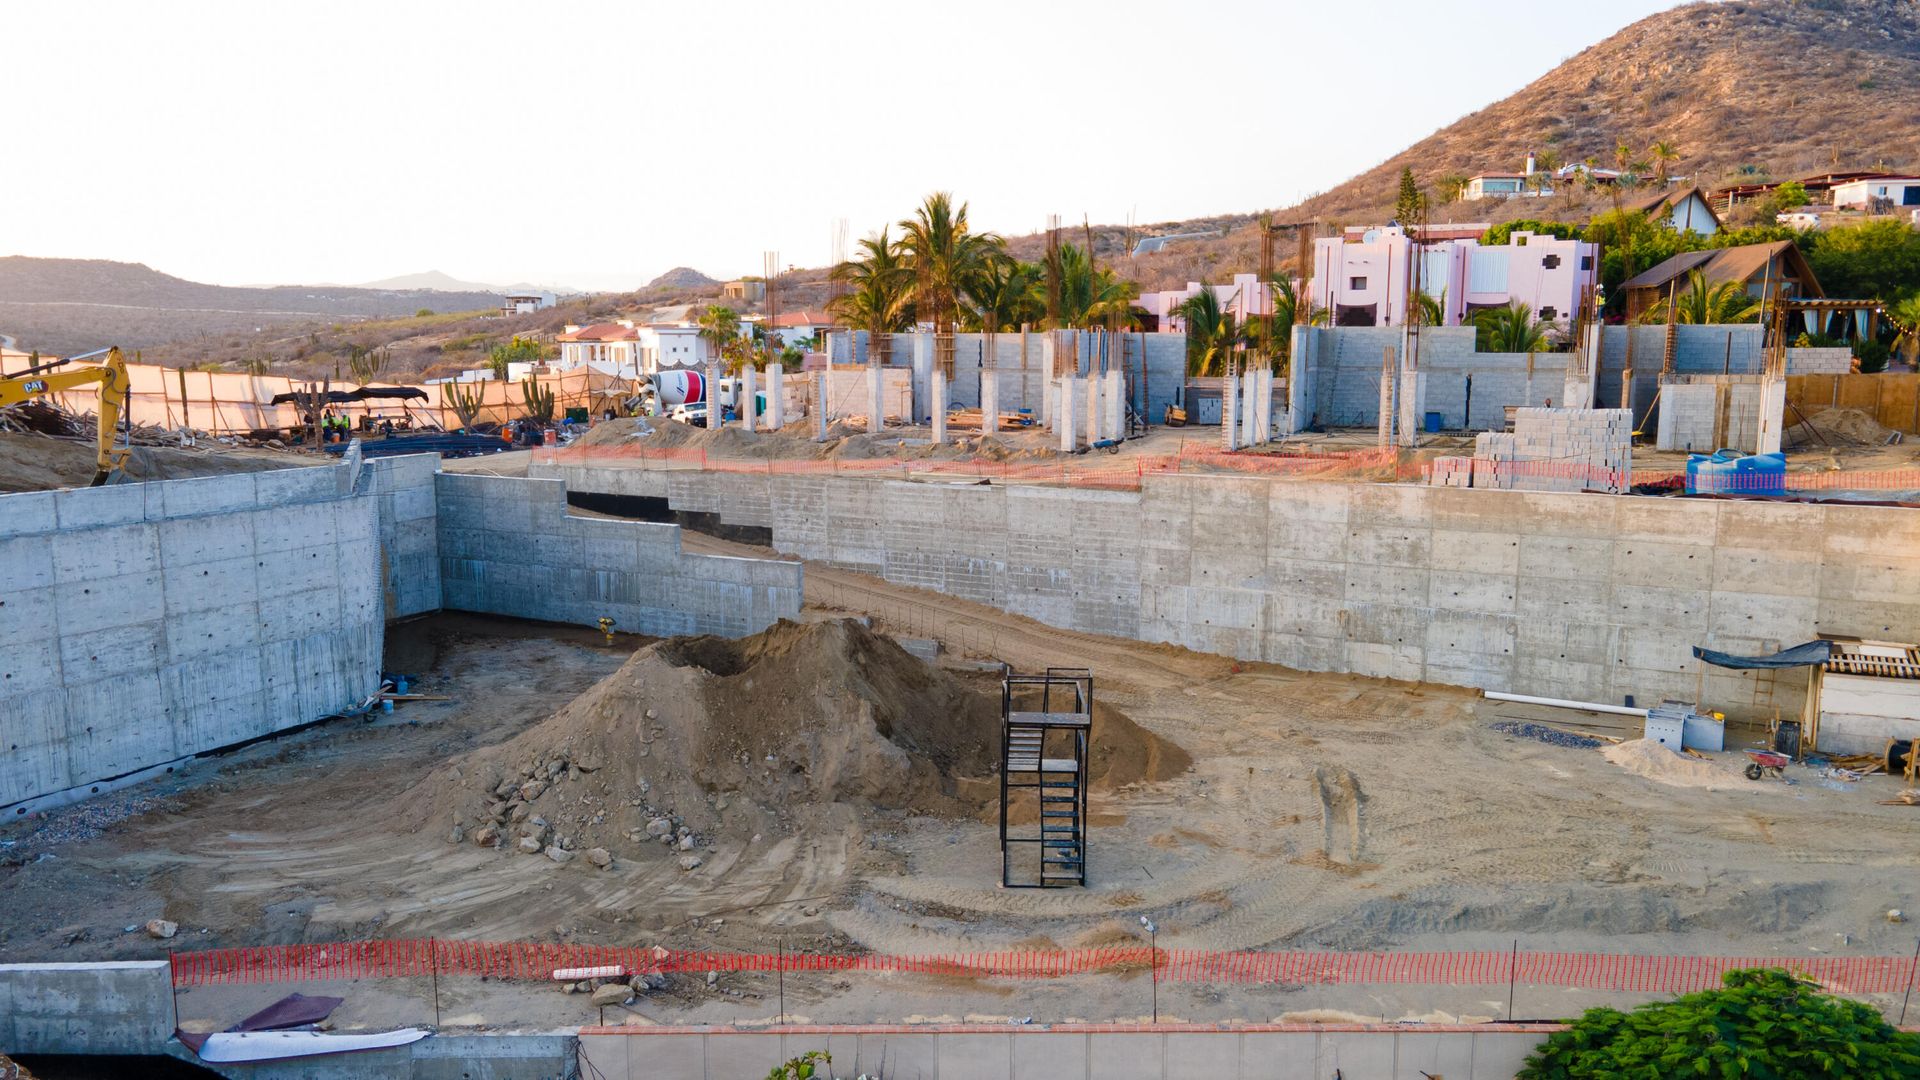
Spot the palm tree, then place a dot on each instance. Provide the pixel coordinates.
(1272, 333)
(944, 257)
(1509, 329)
(1664, 154)
(1450, 186)
(1429, 309)
(1726, 302)
(877, 300)
(1089, 295)
(1212, 332)
(1006, 294)
(1545, 164)
(719, 325)
(1905, 314)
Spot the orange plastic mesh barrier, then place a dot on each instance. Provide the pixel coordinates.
(515, 960)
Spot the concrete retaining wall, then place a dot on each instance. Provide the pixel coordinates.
(1058, 1053)
(508, 547)
(121, 1007)
(403, 490)
(143, 623)
(1590, 597)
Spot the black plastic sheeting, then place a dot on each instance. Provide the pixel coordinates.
(363, 394)
(1813, 652)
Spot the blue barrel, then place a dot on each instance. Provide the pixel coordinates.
(1433, 423)
(1729, 472)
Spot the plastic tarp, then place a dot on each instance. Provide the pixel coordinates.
(362, 394)
(1813, 652)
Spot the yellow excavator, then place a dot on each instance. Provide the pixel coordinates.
(111, 375)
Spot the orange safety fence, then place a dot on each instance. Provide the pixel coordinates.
(1125, 473)
(520, 960)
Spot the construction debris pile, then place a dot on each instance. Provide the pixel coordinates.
(700, 743)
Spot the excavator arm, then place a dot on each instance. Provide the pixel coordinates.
(110, 376)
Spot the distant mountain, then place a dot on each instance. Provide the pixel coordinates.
(69, 305)
(681, 277)
(1782, 87)
(443, 282)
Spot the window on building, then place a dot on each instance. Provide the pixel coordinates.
(1549, 312)
(1551, 262)
(1586, 262)
(1356, 283)
(1911, 196)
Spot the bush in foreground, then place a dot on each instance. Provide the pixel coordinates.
(1765, 1024)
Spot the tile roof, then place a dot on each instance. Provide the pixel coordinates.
(602, 332)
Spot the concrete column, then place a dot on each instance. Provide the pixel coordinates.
(876, 416)
(922, 388)
(1049, 378)
(776, 397)
(1230, 413)
(820, 409)
(713, 395)
(1249, 408)
(1773, 406)
(1116, 401)
(1096, 416)
(1388, 413)
(938, 406)
(749, 406)
(989, 402)
(1063, 413)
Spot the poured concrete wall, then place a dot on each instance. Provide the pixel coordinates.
(1039, 1053)
(1565, 595)
(119, 1007)
(508, 547)
(403, 490)
(142, 623)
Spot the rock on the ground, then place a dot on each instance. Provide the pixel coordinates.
(600, 857)
(659, 827)
(613, 994)
(531, 845)
(689, 862)
(162, 928)
(559, 854)
(458, 835)
(487, 836)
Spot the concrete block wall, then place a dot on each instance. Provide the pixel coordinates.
(149, 622)
(1340, 369)
(1693, 408)
(507, 546)
(1581, 596)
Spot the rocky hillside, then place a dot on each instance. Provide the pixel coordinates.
(69, 305)
(1784, 87)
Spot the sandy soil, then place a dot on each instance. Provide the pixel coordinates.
(1320, 811)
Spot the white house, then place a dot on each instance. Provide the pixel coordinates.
(616, 343)
(1363, 280)
(670, 346)
(1682, 209)
(1495, 186)
(1245, 295)
(525, 303)
(1901, 191)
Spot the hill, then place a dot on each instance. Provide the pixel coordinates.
(68, 305)
(1743, 89)
(681, 277)
(440, 281)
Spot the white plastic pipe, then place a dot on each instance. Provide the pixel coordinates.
(1562, 703)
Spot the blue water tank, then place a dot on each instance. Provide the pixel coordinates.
(1729, 472)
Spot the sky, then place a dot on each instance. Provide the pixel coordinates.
(595, 145)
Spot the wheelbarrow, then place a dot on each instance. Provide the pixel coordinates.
(1766, 763)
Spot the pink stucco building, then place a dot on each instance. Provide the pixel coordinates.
(1361, 278)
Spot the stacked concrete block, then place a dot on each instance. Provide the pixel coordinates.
(1229, 414)
(1573, 449)
(1451, 472)
(509, 547)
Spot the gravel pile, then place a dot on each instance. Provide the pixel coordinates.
(1541, 733)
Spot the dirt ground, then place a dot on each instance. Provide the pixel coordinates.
(30, 462)
(1320, 811)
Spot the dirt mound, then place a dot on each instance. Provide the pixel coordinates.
(1839, 427)
(1643, 757)
(801, 727)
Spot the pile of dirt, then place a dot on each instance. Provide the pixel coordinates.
(698, 742)
(1643, 757)
(34, 462)
(1839, 427)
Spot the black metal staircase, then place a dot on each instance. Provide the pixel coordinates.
(1045, 723)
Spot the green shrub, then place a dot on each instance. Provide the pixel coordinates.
(1765, 1024)
(1872, 356)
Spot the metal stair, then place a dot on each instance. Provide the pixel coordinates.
(1044, 769)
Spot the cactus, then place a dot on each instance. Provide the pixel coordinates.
(466, 404)
(540, 401)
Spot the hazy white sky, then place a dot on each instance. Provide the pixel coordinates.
(596, 144)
